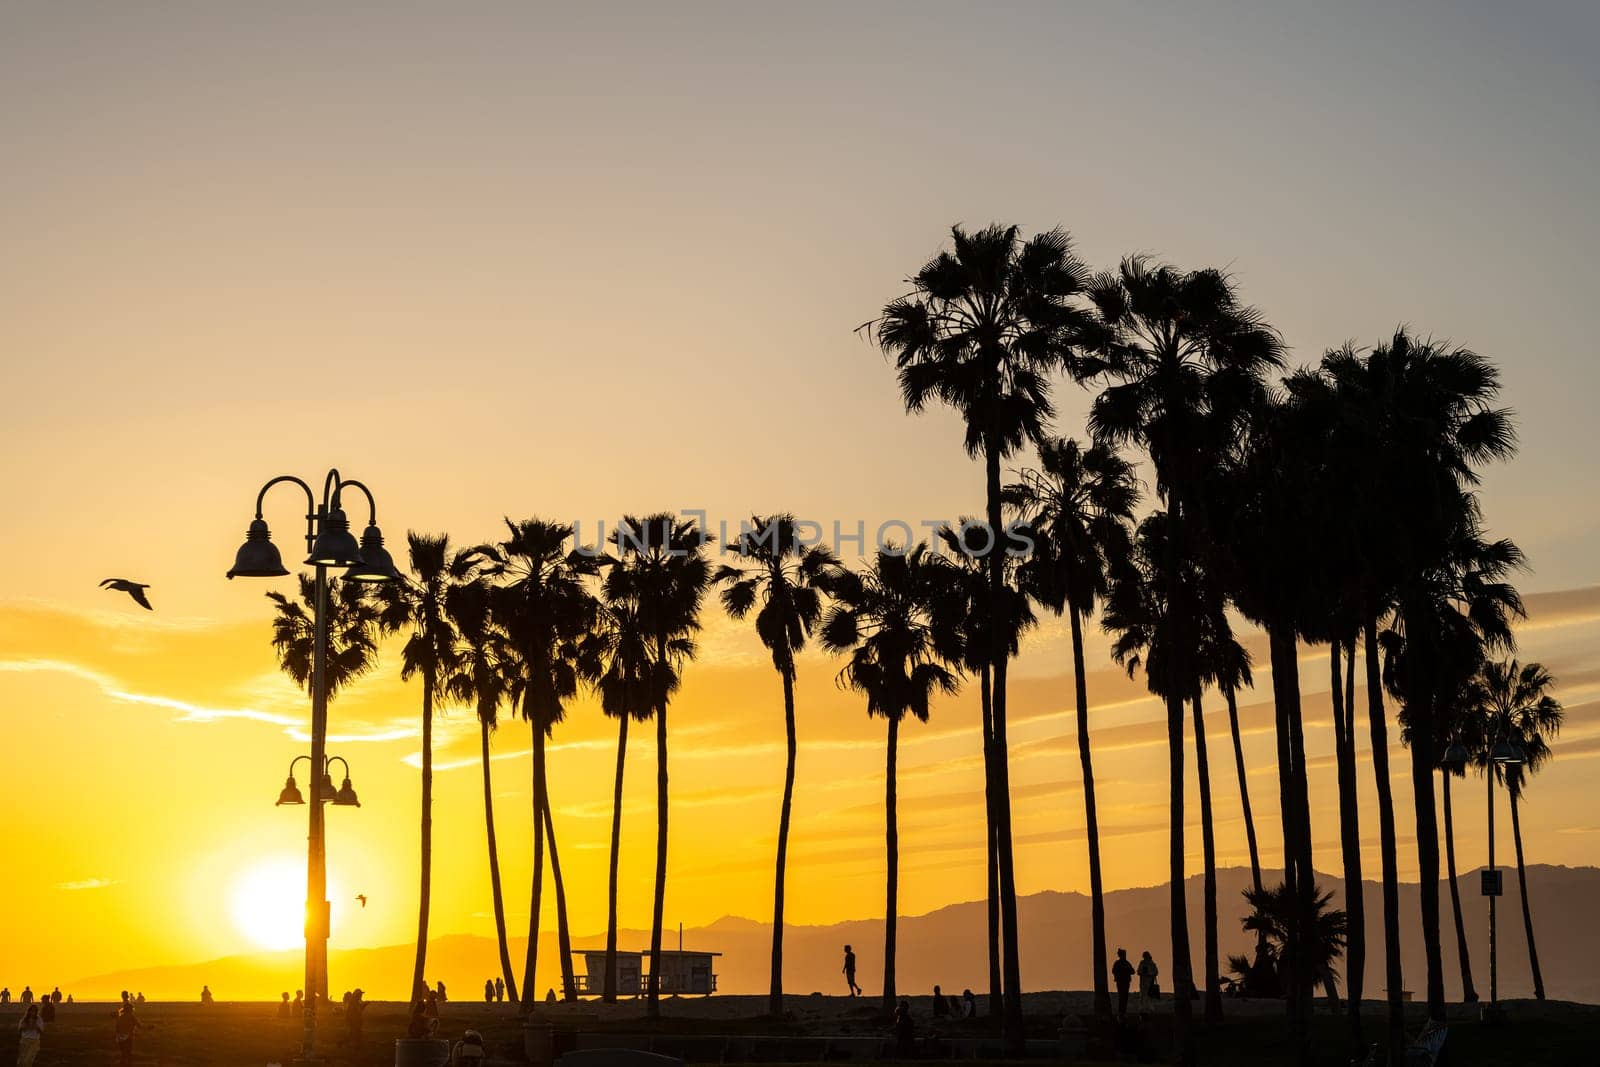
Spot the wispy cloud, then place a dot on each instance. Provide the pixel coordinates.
(87, 883)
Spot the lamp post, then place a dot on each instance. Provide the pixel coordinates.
(329, 543)
(1506, 755)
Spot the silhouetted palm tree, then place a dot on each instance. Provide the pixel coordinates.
(416, 604)
(631, 684)
(352, 633)
(545, 608)
(661, 567)
(884, 620)
(484, 678)
(1320, 941)
(1520, 710)
(1079, 508)
(1178, 342)
(787, 577)
(963, 627)
(984, 327)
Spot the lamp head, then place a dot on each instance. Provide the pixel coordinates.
(335, 545)
(327, 791)
(376, 564)
(346, 796)
(1507, 754)
(290, 793)
(258, 556)
(1455, 757)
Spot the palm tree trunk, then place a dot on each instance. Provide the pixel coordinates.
(1286, 681)
(610, 994)
(530, 978)
(1244, 787)
(1468, 994)
(494, 868)
(992, 858)
(419, 970)
(1386, 843)
(891, 835)
(1355, 952)
(1091, 820)
(1208, 840)
(1419, 707)
(1182, 972)
(775, 993)
(569, 984)
(653, 990)
(1012, 1035)
(1522, 887)
(1349, 833)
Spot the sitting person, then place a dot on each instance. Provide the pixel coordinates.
(420, 1025)
(469, 1051)
(969, 1004)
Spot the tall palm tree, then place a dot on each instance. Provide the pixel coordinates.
(1427, 418)
(484, 679)
(1079, 508)
(1177, 342)
(660, 565)
(982, 330)
(787, 577)
(416, 604)
(884, 620)
(1520, 709)
(967, 630)
(619, 665)
(543, 604)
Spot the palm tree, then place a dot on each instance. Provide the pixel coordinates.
(1521, 711)
(631, 684)
(1321, 940)
(966, 629)
(352, 637)
(1079, 508)
(787, 577)
(485, 679)
(1426, 424)
(662, 569)
(542, 603)
(1178, 342)
(884, 619)
(984, 327)
(416, 604)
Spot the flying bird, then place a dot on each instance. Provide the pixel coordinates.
(363, 898)
(133, 589)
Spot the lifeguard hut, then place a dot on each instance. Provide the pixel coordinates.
(683, 973)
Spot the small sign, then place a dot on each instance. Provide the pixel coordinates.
(1493, 883)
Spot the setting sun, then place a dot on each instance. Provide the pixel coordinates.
(268, 903)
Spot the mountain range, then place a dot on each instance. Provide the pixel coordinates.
(948, 947)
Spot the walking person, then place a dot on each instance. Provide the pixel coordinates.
(30, 1031)
(850, 971)
(1122, 975)
(127, 1026)
(499, 990)
(1148, 990)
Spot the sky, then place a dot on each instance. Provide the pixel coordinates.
(508, 260)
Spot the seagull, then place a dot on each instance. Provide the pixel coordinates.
(133, 589)
(363, 898)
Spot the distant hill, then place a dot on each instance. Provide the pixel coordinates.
(948, 946)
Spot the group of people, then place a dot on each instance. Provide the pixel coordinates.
(1123, 973)
(26, 997)
(494, 990)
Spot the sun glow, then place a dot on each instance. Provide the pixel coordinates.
(268, 903)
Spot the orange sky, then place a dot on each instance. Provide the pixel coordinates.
(580, 264)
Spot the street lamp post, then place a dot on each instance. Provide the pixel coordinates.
(1507, 755)
(329, 543)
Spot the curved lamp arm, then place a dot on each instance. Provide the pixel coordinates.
(311, 504)
(372, 505)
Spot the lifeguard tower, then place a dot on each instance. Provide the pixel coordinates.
(683, 973)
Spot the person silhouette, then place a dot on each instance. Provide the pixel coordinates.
(284, 1008)
(469, 1051)
(850, 971)
(140, 998)
(499, 989)
(127, 1027)
(30, 1032)
(442, 998)
(1147, 980)
(47, 1010)
(941, 1007)
(205, 994)
(5, 995)
(420, 1025)
(27, 995)
(55, 994)
(299, 1002)
(355, 1010)
(905, 1031)
(488, 990)
(1122, 975)
(969, 1004)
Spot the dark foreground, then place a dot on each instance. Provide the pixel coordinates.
(251, 1034)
